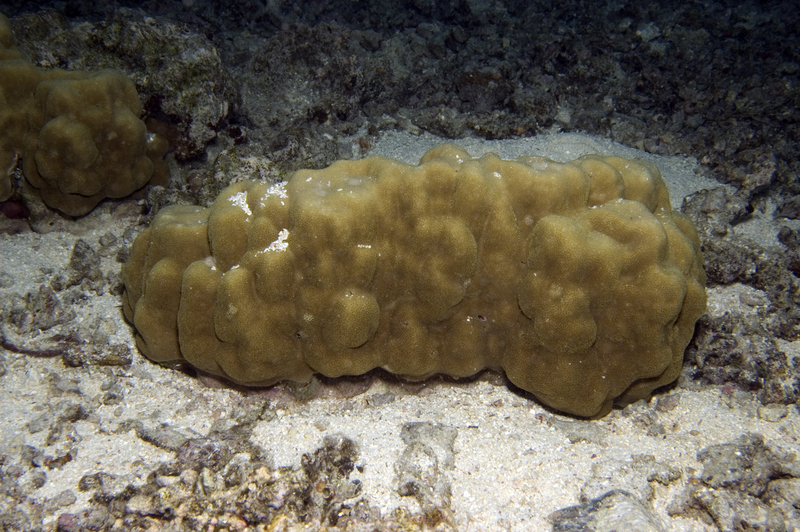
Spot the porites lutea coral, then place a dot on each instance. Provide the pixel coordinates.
(78, 133)
(578, 279)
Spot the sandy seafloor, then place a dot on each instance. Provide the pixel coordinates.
(514, 462)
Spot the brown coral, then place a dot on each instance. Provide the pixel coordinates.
(576, 279)
(79, 134)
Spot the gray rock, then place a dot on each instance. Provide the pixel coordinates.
(616, 510)
(578, 431)
(422, 468)
(745, 485)
(634, 475)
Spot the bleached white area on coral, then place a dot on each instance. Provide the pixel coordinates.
(240, 200)
(280, 243)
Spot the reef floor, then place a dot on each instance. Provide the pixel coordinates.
(93, 436)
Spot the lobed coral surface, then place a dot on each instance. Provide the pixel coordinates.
(78, 133)
(576, 279)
